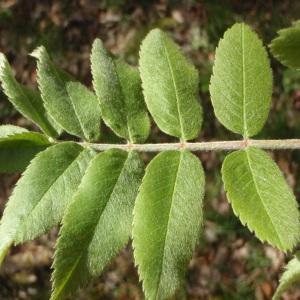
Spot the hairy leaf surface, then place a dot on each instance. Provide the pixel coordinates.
(28, 102)
(286, 46)
(7, 130)
(98, 222)
(241, 84)
(18, 147)
(167, 221)
(289, 277)
(170, 85)
(42, 194)
(87, 108)
(261, 198)
(118, 88)
(53, 86)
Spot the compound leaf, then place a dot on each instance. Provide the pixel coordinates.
(98, 222)
(286, 46)
(118, 88)
(87, 108)
(28, 102)
(289, 277)
(241, 84)
(42, 194)
(18, 147)
(261, 198)
(53, 86)
(167, 221)
(170, 85)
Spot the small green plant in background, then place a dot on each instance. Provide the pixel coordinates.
(103, 199)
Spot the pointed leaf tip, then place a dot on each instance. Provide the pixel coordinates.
(27, 101)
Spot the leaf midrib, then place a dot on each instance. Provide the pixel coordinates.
(167, 227)
(244, 81)
(123, 100)
(61, 287)
(48, 189)
(62, 82)
(85, 135)
(175, 88)
(58, 292)
(67, 96)
(42, 123)
(261, 198)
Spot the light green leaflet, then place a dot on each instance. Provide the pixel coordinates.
(86, 104)
(289, 277)
(118, 88)
(261, 198)
(286, 47)
(53, 86)
(167, 221)
(7, 130)
(18, 147)
(241, 84)
(170, 85)
(28, 102)
(42, 194)
(98, 222)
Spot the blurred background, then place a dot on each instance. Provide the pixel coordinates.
(230, 263)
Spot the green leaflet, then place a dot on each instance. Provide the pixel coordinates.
(167, 221)
(289, 277)
(42, 194)
(18, 147)
(241, 84)
(286, 46)
(261, 198)
(28, 102)
(118, 88)
(138, 121)
(170, 85)
(53, 86)
(6, 130)
(98, 222)
(87, 108)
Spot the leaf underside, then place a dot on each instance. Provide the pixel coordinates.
(28, 102)
(118, 88)
(286, 46)
(290, 276)
(42, 194)
(241, 84)
(167, 221)
(98, 222)
(170, 86)
(261, 198)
